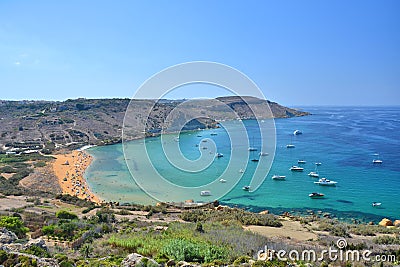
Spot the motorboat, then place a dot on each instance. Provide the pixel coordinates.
(263, 154)
(241, 171)
(296, 169)
(278, 177)
(301, 161)
(376, 204)
(318, 163)
(255, 160)
(313, 174)
(316, 195)
(290, 146)
(222, 180)
(214, 134)
(324, 181)
(252, 148)
(378, 160)
(297, 132)
(205, 193)
(246, 188)
(219, 155)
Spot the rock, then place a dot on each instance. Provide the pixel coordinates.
(251, 262)
(135, 259)
(36, 242)
(264, 212)
(171, 263)
(371, 223)
(131, 260)
(396, 223)
(186, 264)
(7, 237)
(386, 222)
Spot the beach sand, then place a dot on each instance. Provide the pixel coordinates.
(69, 169)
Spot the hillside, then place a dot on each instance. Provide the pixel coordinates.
(48, 125)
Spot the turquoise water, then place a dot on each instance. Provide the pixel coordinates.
(344, 140)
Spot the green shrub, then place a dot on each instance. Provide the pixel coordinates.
(63, 214)
(37, 251)
(387, 240)
(14, 224)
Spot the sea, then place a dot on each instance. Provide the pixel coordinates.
(345, 140)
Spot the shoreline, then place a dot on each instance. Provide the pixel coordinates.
(69, 169)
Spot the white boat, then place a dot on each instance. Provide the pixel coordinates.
(278, 177)
(376, 204)
(316, 195)
(297, 132)
(313, 174)
(222, 180)
(290, 146)
(318, 163)
(219, 155)
(378, 160)
(301, 161)
(296, 169)
(246, 188)
(176, 139)
(241, 171)
(324, 181)
(252, 148)
(263, 154)
(205, 193)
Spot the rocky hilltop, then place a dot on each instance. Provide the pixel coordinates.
(48, 125)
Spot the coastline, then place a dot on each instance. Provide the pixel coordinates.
(69, 169)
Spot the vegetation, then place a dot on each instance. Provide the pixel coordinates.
(228, 215)
(14, 224)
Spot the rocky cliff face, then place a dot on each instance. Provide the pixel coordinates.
(47, 125)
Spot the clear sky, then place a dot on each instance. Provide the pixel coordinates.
(297, 52)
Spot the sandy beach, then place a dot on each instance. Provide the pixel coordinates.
(69, 169)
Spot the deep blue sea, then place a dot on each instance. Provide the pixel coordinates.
(344, 139)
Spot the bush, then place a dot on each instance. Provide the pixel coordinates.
(387, 240)
(14, 224)
(231, 215)
(37, 251)
(63, 214)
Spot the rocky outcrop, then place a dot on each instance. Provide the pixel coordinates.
(396, 223)
(135, 259)
(7, 237)
(386, 222)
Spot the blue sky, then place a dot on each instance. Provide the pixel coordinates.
(297, 52)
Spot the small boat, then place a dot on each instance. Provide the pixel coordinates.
(241, 171)
(324, 181)
(246, 188)
(263, 154)
(205, 193)
(278, 177)
(316, 195)
(219, 155)
(252, 148)
(199, 136)
(297, 132)
(197, 145)
(290, 146)
(301, 161)
(318, 163)
(204, 141)
(376, 204)
(176, 139)
(204, 147)
(296, 169)
(214, 134)
(378, 160)
(222, 180)
(255, 160)
(313, 174)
